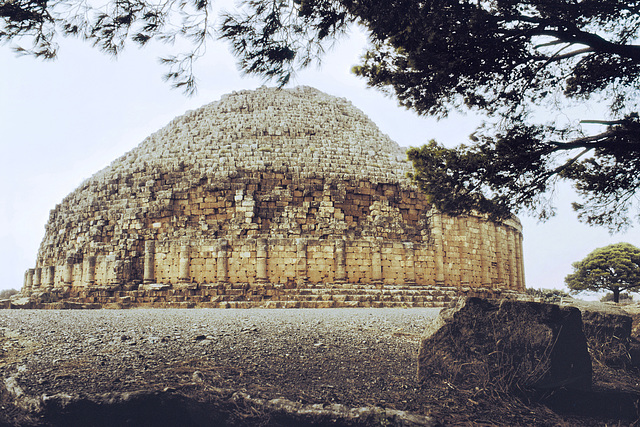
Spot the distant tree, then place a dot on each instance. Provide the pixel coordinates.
(7, 293)
(614, 268)
(507, 59)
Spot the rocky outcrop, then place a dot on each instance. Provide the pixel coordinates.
(511, 345)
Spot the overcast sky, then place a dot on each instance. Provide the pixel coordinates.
(62, 121)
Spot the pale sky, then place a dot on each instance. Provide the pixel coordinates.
(62, 121)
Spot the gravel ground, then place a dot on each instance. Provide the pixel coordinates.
(355, 357)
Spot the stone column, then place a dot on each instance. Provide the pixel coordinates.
(340, 261)
(89, 271)
(497, 236)
(149, 261)
(184, 267)
(376, 261)
(438, 249)
(409, 267)
(301, 266)
(262, 249)
(37, 276)
(485, 254)
(222, 262)
(67, 273)
(513, 260)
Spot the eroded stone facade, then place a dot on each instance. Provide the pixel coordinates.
(258, 198)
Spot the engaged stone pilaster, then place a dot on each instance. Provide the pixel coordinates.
(438, 250)
(67, 273)
(376, 262)
(37, 276)
(50, 275)
(463, 251)
(520, 256)
(513, 259)
(499, 252)
(222, 262)
(28, 282)
(261, 261)
(89, 271)
(185, 264)
(340, 261)
(409, 269)
(31, 279)
(485, 255)
(301, 266)
(117, 273)
(149, 261)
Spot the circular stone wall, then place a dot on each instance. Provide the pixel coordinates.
(259, 197)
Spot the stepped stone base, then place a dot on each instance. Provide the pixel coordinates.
(246, 295)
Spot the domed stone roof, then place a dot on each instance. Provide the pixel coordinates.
(300, 131)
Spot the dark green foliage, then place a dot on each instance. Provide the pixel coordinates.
(274, 38)
(615, 268)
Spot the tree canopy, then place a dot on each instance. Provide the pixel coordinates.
(526, 65)
(110, 26)
(615, 268)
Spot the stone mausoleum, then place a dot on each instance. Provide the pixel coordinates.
(270, 198)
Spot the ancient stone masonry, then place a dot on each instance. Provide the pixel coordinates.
(264, 196)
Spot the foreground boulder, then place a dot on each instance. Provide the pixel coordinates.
(506, 346)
